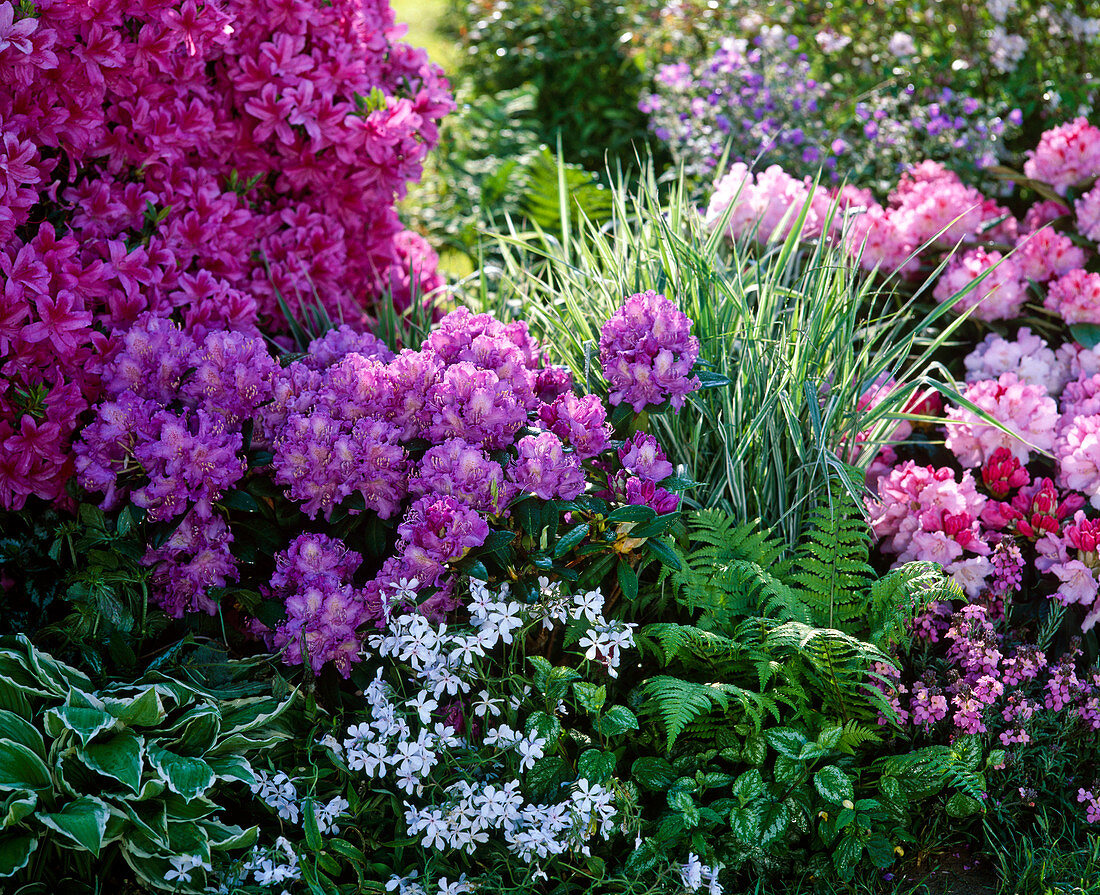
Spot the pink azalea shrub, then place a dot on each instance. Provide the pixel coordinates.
(193, 161)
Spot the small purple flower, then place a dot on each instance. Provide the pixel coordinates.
(544, 469)
(647, 352)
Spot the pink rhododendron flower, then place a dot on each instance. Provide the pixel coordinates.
(1066, 156)
(1026, 410)
(1088, 214)
(999, 296)
(1075, 297)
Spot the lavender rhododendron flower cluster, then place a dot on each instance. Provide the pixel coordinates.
(194, 161)
(648, 353)
(436, 442)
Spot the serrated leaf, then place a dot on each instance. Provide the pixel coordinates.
(652, 773)
(785, 741)
(774, 820)
(748, 786)
(596, 766)
(590, 696)
(616, 720)
(745, 824)
(962, 805)
(834, 785)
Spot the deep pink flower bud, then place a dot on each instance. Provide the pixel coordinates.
(1003, 473)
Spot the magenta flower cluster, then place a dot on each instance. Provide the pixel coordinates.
(647, 352)
(193, 161)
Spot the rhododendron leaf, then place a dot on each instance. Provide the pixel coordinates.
(1087, 335)
(660, 549)
(658, 526)
(632, 513)
(620, 415)
(571, 539)
(15, 853)
(478, 570)
(239, 500)
(596, 766)
(118, 758)
(711, 379)
(83, 821)
(628, 580)
(678, 483)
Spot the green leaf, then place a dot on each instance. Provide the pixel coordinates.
(590, 696)
(15, 853)
(618, 719)
(84, 722)
(309, 824)
(785, 741)
(1087, 335)
(632, 513)
(15, 807)
(19, 730)
(962, 805)
(652, 773)
(596, 766)
(659, 526)
(231, 767)
(846, 855)
(547, 774)
(20, 768)
(834, 785)
(755, 750)
(189, 777)
(774, 820)
(143, 710)
(571, 539)
(118, 758)
(745, 824)
(628, 580)
(195, 731)
(83, 822)
(660, 549)
(750, 785)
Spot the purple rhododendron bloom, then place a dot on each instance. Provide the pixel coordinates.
(544, 469)
(580, 421)
(647, 352)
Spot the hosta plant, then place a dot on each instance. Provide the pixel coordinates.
(133, 771)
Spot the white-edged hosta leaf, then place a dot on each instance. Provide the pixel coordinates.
(84, 722)
(118, 758)
(187, 776)
(15, 853)
(83, 822)
(15, 807)
(231, 767)
(143, 710)
(20, 768)
(20, 730)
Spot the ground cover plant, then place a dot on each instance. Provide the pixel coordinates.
(707, 538)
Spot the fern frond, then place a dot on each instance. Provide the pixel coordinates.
(900, 596)
(677, 703)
